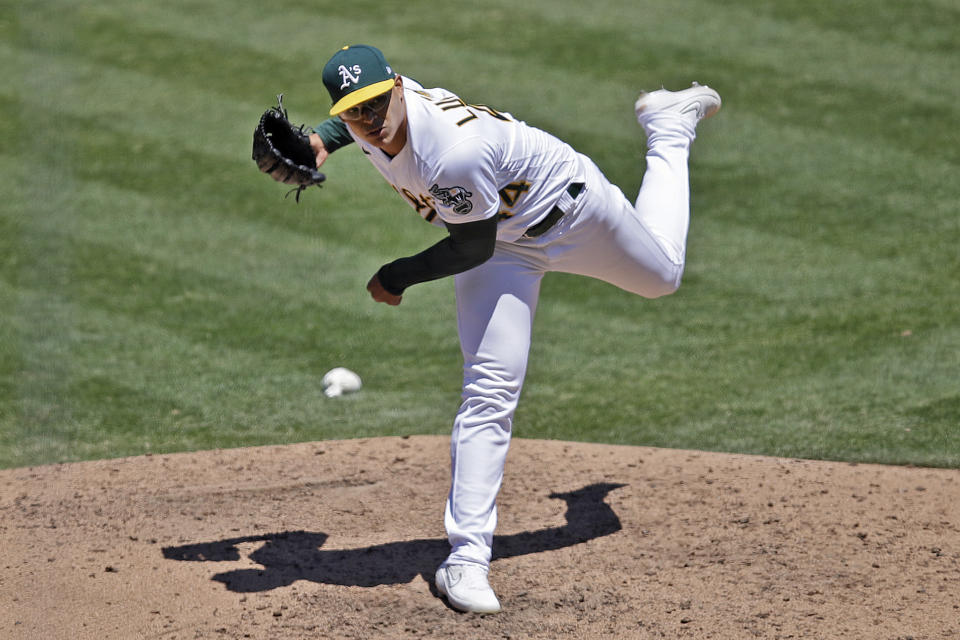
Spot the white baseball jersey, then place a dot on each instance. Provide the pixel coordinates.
(464, 163)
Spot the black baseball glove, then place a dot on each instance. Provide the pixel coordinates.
(282, 151)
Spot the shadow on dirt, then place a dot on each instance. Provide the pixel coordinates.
(297, 555)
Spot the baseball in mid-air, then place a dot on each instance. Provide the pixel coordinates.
(339, 381)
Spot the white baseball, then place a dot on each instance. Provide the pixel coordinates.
(339, 381)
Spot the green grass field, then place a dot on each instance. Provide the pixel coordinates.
(158, 294)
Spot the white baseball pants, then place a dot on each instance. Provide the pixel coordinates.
(639, 247)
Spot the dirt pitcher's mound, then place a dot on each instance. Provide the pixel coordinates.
(341, 539)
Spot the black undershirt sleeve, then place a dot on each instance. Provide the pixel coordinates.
(469, 245)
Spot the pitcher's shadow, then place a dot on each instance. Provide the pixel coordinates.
(297, 555)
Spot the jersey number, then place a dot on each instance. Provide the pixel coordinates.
(509, 195)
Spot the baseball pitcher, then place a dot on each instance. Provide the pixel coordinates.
(517, 203)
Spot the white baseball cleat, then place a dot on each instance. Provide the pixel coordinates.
(697, 102)
(467, 588)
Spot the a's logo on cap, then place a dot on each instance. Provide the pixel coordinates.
(347, 77)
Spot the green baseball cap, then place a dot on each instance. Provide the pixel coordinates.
(355, 74)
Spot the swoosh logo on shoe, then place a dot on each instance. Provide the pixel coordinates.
(454, 578)
(697, 106)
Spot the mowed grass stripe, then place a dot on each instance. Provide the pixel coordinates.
(751, 362)
(214, 295)
(149, 356)
(181, 175)
(202, 160)
(833, 46)
(105, 385)
(871, 88)
(195, 58)
(823, 185)
(193, 118)
(921, 26)
(215, 242)
(824, 341)
(225, 312)
(850, 409)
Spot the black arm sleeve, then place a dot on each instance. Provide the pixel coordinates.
(469, 245)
